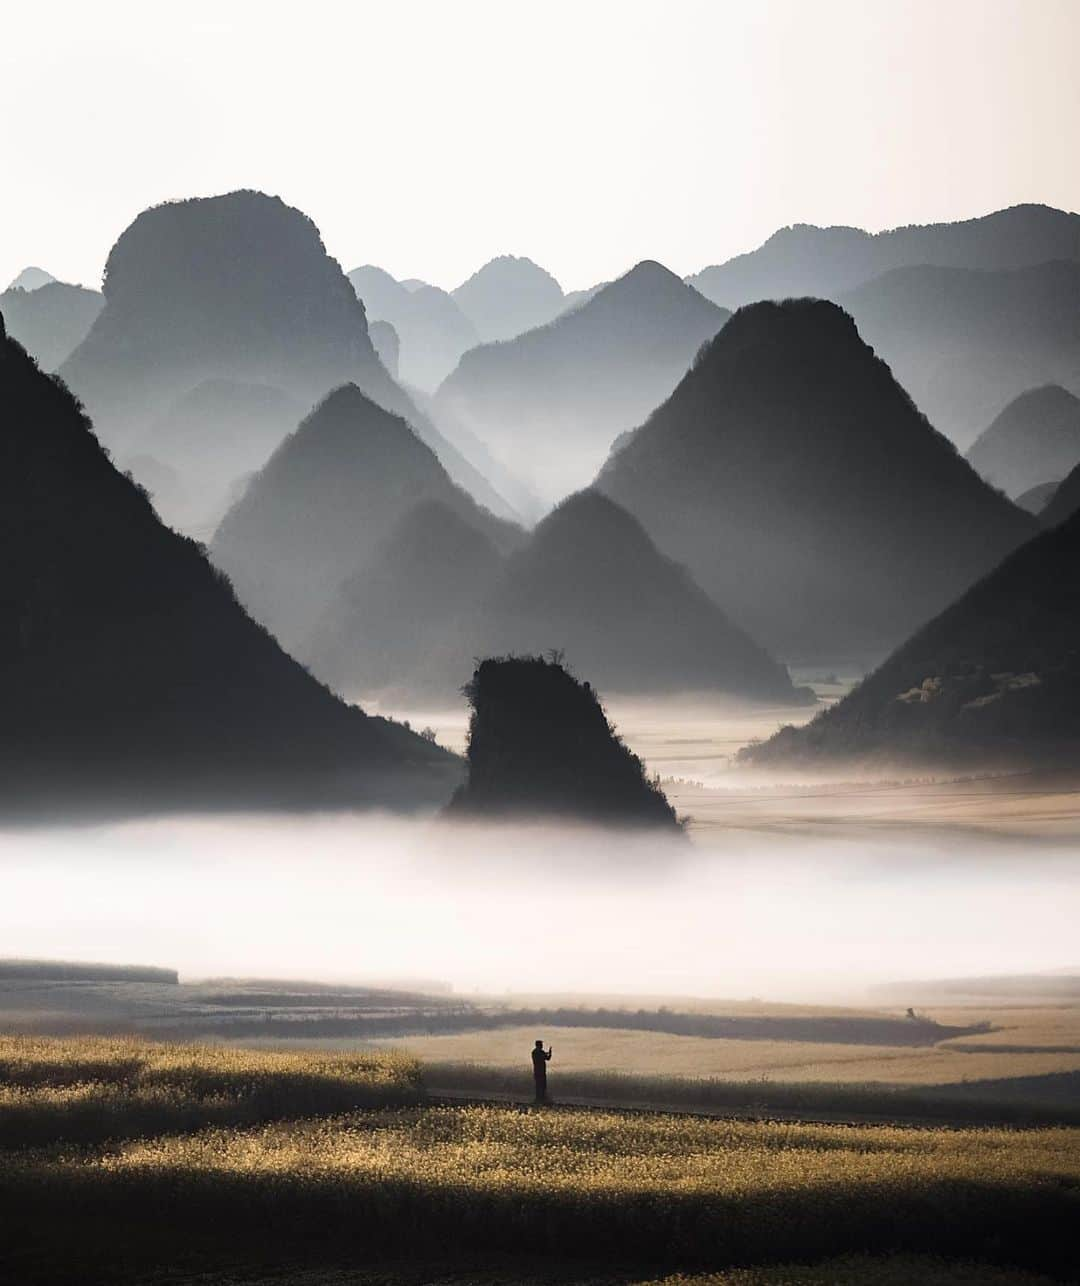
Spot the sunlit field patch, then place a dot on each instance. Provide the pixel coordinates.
(148, 1185)
(88, 1089)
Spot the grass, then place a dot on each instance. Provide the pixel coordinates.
(1045, 1100)
(88, 1089)
(584, 1049)
(243, 1172)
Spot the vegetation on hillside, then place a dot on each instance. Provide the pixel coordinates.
(540, 745)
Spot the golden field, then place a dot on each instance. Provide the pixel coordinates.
(200, 1155)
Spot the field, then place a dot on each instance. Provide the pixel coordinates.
(977, 1057)
(124, 1160)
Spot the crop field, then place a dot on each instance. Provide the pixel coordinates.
(125, 1160)
(655, 1053)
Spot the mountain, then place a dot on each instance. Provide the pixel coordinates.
(1035, 499)
(406, 601)
(433, 330)
(808, 260)
(995, 679)
(805, 492)
(131, 679)
(540, 745)
(1064, 502)
(323, 502)
(31, 279)
(965, 343)
(387, 344)
(1036, 437)
(550, 402)
(575, 298)
(214, 433)
(592, 584)
(50, 320)
(589, 582)
(239, 288)
(508, 296)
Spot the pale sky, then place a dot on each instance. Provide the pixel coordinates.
(429, 135)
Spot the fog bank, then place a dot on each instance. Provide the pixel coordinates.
(785, 916)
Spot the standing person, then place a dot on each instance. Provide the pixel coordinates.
(540, 1061)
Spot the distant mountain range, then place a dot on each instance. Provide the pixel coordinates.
(588, 583)
(235, 288)
(432, 329)
(1035, 499)
(1034, 440)
(805, 492)
(50, 320)
(540, 745)
(509, 296)
(550, 402)
(995, 679)
(966, 342)
(830, 262)
(330, 494)
(399, 623)
(131, 679)
(31, 279)
(1064, 502)
(592, 584)
(208, 440)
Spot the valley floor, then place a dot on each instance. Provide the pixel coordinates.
(126, 1161)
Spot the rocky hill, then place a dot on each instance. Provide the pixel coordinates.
(1036, 437)
(994, 680)
(540, 745)
(795, 478)
(131, 680)
(322, 504)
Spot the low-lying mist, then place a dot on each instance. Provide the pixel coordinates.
(737, 913)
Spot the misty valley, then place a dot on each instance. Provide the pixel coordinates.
(549, 777)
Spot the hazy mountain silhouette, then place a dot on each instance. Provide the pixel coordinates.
(1035, 499)
(592, 583)
(964, 343)
(550, 402)
(519, 493)
(50, 320)
(589, 581)
(326, 498)
(1036, 437)
(806, 493)
(995, 678)
(540, 745)
(1064, 502)
(387, 344)
(131, 678)
(575, 298)
(210, 436)
(408, 601)
(507, 296)
(236, 287)
(808, 260)
(433, 330)
(31, 279)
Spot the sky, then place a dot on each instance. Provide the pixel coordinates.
(428, 136)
